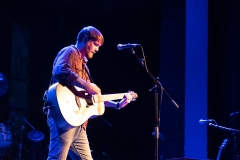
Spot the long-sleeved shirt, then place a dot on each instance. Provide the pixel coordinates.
(68, 66)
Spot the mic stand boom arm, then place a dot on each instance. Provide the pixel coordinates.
(157, 83)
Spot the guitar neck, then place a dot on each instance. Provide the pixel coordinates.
(108, 97)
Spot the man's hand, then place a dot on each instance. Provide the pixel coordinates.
(127, 99)
(93, 89)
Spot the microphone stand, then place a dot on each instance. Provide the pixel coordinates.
(157, 110)
(234, 131)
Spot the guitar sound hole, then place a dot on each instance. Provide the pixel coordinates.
(89, 102)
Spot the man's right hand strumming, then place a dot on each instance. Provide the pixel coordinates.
(93, 89)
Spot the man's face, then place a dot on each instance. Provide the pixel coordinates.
(90, 48)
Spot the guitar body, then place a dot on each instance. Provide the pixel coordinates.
(69, 110)
(73, 105)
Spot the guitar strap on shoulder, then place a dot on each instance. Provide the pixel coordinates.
(86, 67)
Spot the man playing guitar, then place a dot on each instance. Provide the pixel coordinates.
(71, 85)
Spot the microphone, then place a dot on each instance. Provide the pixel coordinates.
(201, 121)
(125, 46)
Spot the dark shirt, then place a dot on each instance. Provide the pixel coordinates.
(68, 66)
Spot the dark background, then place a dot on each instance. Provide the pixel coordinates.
(127, 134)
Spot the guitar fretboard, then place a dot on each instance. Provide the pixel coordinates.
(108, 97)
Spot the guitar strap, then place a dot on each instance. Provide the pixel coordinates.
(86, 67)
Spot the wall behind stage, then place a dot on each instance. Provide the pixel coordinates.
(124, 134)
